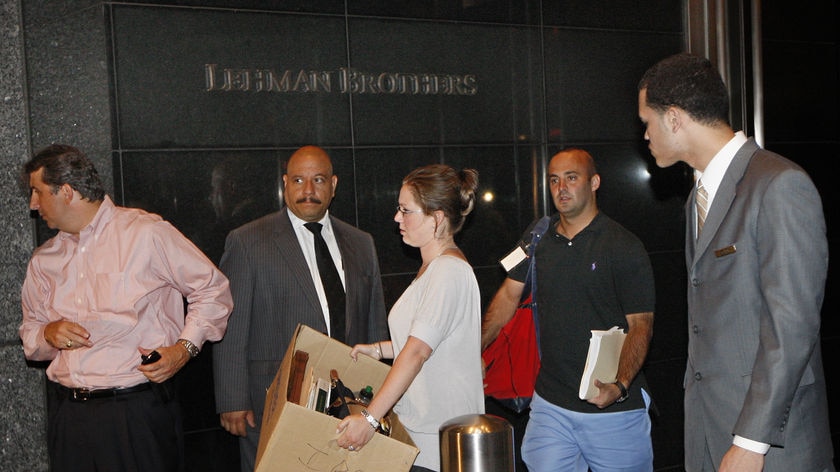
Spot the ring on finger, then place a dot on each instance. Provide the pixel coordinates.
(69, 343)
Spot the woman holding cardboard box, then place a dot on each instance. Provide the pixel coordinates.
(435, 325)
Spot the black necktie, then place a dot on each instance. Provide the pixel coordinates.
(331, 282)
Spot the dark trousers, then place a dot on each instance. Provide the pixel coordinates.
(135, 432)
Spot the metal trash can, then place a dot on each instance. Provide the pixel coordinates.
(476, 443)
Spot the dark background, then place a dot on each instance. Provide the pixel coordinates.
(549, 75)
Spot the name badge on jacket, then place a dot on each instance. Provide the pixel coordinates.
(725, 251)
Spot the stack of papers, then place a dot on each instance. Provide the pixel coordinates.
(319, 394)
(601, 361)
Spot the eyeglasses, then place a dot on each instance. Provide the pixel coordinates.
(406, 211)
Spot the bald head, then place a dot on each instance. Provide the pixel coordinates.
(311, 153)
(581, 157)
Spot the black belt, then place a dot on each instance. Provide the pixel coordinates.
(85, 394)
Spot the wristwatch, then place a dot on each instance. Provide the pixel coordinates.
(189, 346)
(370, 419)
(624, 393)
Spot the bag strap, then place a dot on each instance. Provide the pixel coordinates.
(531, 279)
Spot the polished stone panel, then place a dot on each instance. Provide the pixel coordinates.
(204, 194)
(791, 116)
(670, 329)
(505, 199)
(492, 11)
(162, 78)
(67, 74)
(502, 212)
(799, 22)
(290, 6)
(654, 15)
(498, 99)
(592, 78)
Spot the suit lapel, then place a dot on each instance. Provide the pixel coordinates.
(724, 197)
(292, 254)
(350, 267)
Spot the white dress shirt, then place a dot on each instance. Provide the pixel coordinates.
(307, 244)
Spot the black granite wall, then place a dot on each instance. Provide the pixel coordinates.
(167, 94)
(386, 87)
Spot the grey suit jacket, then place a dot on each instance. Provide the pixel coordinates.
(756, 280)
(273, 291)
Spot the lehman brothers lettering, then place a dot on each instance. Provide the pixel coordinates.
(343, 80)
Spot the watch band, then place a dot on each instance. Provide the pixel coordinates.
(189, 346)
(624, 393)
(370, 419)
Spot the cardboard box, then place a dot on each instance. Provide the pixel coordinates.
(297, 439)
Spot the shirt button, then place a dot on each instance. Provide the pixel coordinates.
(697, 376)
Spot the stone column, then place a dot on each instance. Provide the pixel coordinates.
(53, 89)
(22, 412)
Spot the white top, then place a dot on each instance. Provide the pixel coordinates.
(443, 309)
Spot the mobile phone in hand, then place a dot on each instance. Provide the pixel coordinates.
(151, 358)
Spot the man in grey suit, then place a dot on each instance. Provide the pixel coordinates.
(757, 257)
(276, 284)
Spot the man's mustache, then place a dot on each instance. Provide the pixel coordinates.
(308, 200)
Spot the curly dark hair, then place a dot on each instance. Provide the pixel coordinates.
(65, 164)
(689, 82)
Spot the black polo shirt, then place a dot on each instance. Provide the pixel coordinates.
(588, 283)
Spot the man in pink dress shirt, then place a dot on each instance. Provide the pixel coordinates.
(106, 290)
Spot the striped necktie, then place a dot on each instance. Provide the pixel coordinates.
(702, 202)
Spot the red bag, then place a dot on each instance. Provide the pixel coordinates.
(512, 361)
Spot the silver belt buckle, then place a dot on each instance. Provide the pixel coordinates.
(81, 394)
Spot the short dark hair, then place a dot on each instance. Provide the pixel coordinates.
(65, 164)
(689, 82)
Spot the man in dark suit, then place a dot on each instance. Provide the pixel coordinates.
(276, 284)
(757, 257)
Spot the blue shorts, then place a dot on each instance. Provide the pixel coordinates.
(557, 439)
